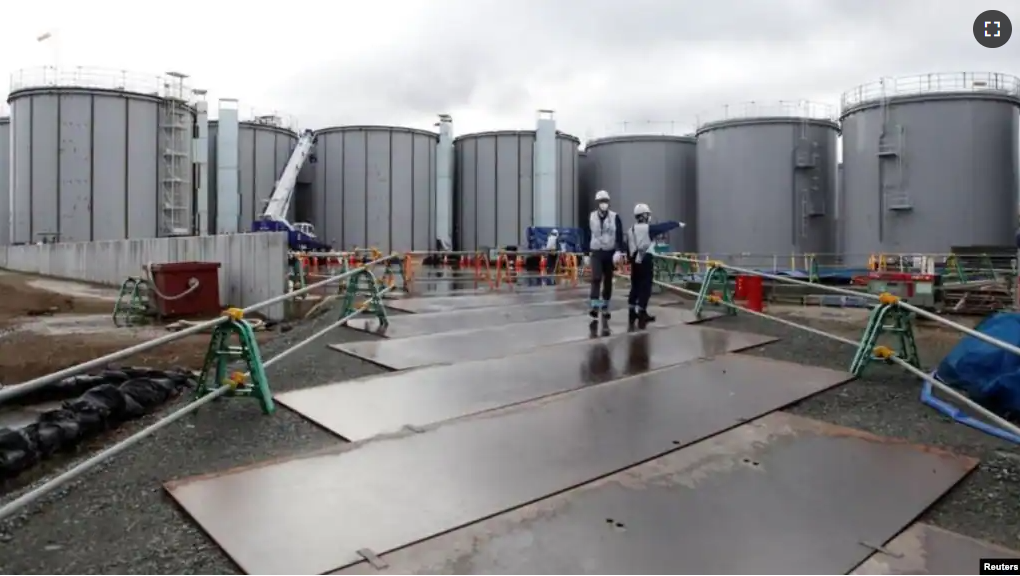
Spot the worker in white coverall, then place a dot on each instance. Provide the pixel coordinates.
(606, 247)
(640, 239)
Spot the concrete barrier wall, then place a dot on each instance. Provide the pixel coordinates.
(253, 266)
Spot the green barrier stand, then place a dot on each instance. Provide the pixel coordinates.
(886, 318)
(234, 341)
(716, 279)
(364, 283)
(132, 306)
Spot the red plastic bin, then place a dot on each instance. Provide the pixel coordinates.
(171, 280)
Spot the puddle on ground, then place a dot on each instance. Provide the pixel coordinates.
(74, 289)
(85, 324)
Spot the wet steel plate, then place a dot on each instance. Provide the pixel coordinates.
(926, 549)
(314, 514)
(494, 342)
(473, 318)
(427, 304)
(780, 495)
(361, 409)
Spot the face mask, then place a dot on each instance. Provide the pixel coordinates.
(603, 206)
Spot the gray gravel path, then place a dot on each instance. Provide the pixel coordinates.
(118, 519)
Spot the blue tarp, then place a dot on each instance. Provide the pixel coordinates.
(571, 239)
(988, 374)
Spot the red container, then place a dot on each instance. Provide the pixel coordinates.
(172, 280)
(755, 287)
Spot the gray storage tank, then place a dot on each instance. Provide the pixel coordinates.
(767, 183)
(5, 180)
(264, 142)
(100, 155)
(930, 162)
(658, 170)
(375, 187)
(494, 187)
(585, 187)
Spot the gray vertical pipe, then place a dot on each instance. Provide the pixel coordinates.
(228, 196)
(544, 203)
(200, 156)
(444, 183)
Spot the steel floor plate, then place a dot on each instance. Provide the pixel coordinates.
(472, 318)
(496, 341)
(426, 304)
(322, 512)
(926, 549)
(780, 495)
(361, 409)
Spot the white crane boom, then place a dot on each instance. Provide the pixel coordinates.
(279, 202)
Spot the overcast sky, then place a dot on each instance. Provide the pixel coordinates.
(492, 63)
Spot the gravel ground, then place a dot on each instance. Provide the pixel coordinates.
(118, 520)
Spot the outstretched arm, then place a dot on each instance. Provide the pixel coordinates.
(655, 230)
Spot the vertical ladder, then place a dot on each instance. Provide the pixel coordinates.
(175, 145)
(891, 144)
(806, 179)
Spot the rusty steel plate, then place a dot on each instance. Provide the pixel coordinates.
(472, 318)
(426, 304)
(495, 342)
(361, 409)
(927, 549)
(323, 512)
(780, 495)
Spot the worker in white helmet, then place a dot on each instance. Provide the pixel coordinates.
(552, 242)
(607, 249)
(639, 242)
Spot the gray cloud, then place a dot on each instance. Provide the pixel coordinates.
(600, 62)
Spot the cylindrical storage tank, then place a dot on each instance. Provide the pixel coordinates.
(930, 162)
(375, 187)
(494, 187)
(658, 170)
(264, 143)
(767, 184)
(5, 179)
(100, 155)
(585, 187)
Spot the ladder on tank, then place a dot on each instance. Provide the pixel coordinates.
(891, 143)
(806, 180)
(175, 146)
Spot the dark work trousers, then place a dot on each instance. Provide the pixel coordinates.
(602, 275)
(641, 276)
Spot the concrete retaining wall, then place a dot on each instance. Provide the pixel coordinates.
(253, 266)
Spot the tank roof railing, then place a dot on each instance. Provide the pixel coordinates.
(801, 109)
(266, 117)
(935, 83)
(159, 85)
(642, 128)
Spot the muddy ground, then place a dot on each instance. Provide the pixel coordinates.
(47, 325)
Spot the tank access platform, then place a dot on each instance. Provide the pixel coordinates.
(512, 439)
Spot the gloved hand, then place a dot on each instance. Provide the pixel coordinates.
(617, 257)
(682, 225)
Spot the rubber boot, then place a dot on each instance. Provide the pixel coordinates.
(594, 311)
(632, 315)
(645, 317)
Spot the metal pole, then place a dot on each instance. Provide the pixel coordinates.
(10, 392)
(77, 471)
(962, 398)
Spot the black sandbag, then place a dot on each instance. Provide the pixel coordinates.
(124, 394)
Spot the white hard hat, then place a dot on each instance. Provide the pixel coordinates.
(554, 232)
(602, 196)
(640, 209)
